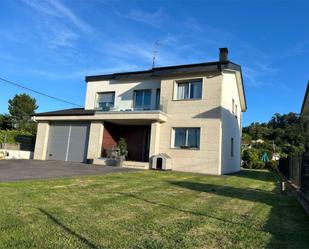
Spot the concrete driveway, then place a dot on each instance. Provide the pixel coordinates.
(13, 170)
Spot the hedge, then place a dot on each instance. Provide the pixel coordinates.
(15, 136)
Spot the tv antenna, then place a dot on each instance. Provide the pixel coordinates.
(155, 52)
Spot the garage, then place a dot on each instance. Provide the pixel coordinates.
(68, 141)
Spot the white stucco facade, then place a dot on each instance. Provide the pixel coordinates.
(124, 91)
(230, 125)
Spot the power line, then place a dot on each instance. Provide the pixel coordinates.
(40, 93)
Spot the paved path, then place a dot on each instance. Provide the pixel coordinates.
(13, 170)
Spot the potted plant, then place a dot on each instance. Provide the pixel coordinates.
(122, 151)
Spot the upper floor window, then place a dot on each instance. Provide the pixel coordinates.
(233, 106)
(142, 99)
(191, 89)
(186, 138)
(105, 101)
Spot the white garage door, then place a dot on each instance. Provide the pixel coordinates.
(68, 141)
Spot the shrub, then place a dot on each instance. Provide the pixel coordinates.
(256, 165)
(15, 136)
(122, 147)
(251, 159)
(271, 165)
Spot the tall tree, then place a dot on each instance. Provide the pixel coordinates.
(21, 107)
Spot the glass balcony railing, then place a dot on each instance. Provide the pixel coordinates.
(124, 108)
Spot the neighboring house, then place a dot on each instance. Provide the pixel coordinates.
(191, 113)
(258, 141)
(305, 106)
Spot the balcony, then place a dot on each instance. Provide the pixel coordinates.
(126, 113)
(125, 109)
(130, 106)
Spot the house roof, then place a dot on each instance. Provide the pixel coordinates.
(305, 105)
(67, 112)
(169, 70)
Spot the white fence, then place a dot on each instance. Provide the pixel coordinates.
(16, 154)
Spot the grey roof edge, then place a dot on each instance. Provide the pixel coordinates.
(242, 82)
(161, 71)
(305, 98)
(66, 112)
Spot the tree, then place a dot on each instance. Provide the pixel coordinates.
(289, 132)
(6, 122)
(21, 107)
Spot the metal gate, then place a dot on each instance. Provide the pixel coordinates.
(68, 141)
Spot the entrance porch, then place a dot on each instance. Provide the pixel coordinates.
(137, 138)
(142, 138)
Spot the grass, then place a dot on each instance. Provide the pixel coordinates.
(152, 210)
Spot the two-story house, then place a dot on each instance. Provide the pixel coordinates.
(192, 113)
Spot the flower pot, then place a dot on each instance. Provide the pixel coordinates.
(119, 161)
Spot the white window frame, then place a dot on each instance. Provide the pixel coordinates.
(189, 82)
(173, 137)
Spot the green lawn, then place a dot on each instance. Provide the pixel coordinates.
(152, 209)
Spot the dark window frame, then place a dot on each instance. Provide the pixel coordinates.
(143, 106)
(97, 103)
(158, 98)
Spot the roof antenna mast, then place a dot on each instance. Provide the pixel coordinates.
(155, 52)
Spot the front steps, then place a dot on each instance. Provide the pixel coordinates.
(126, 164)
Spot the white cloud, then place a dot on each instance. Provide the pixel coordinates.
(192, 24)
(61, 8)
(150, 18)
(259, 75)
(295, 50)
(81, 73)
(42, 7)
(55, 35)
(58, 10)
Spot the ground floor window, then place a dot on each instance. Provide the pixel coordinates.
(186, 138)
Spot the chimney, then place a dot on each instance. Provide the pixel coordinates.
(223, 54)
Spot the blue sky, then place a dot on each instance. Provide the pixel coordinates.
(52, 45)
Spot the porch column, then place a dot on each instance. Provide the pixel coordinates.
(154, 139)
(41, 140)
(95, 139)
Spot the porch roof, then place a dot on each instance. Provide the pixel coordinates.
(121, 117)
